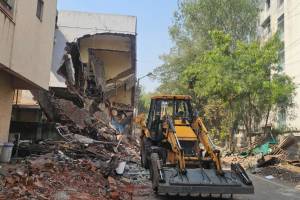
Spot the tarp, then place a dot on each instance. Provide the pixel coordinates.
(263, 149)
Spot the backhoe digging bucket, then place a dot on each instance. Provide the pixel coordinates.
(198, 181)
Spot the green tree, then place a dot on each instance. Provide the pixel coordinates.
(244, 78)
(144, 101)
(190, 34)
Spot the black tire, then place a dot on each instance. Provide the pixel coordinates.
(146, 144)
(154, 171)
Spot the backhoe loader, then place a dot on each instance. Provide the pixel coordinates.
(182, 159)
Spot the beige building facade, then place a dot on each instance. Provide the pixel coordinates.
(283, 16)
(26, 43)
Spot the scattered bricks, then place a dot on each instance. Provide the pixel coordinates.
(112, 183)
(86, 169)
(9, 180)
(129, 189)
(114, 194)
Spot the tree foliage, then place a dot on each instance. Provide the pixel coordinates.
(190, 33)
(245, 77)
(144, 101)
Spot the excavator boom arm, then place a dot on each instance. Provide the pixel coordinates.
(202, 135)
(176, 147)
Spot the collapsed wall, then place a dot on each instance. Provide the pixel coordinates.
(85, 104)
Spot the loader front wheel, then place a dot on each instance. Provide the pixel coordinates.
(154, 171)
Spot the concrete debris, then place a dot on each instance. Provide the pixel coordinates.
(284, 172)
(67, 70)
(256, 170)
(45, 176)
(85, 162)
(281, 148)
(287, 141)
(121, 167)
(273, 163)
(92, 119)
(73, 169)
(85, 107)
(269, 177)
(267, 161)
(295, 163)
(114, 194)
(83, 139)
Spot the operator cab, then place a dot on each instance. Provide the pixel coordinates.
(179, 109)
(176, 107)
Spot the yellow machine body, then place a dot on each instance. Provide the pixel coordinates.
(175, 145)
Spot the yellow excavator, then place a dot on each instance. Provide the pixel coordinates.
(182, 159)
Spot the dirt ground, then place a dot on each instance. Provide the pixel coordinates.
(285, 172)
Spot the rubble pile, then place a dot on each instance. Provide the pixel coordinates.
(272, 160)
(47, 176)
(85, 107)
(283, 171)
(82, 165)
(95, 158)
(74, 119)
(76, 170)
(246, 162)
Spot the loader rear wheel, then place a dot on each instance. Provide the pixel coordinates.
(154, 171)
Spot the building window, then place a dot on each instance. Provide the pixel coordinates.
(280, 3)
(40, 9)
(280, 27)
(281, 55)
(268, 4)
(266, 28)
(281, 118)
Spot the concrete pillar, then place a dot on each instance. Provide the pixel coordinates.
(6, 100)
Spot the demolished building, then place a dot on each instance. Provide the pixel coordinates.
(103, 52)
(93, 66)
(90, 105)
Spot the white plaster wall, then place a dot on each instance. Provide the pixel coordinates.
(105, 42)
(292, 50)
(291, 10)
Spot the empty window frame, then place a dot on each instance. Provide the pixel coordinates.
(280, 27)
(281, 55)
(280, 3)
(266, 27)
(40, 9)
(268, 4)
(281, 118)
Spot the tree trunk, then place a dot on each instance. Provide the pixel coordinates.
(267, 119)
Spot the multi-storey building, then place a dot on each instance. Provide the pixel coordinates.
(283, 16)
(26, 43)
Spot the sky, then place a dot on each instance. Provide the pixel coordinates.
(153, 20)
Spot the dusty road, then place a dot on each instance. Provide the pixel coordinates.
(270, 190)
(264, 190)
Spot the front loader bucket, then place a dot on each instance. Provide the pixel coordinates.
(198, 181)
